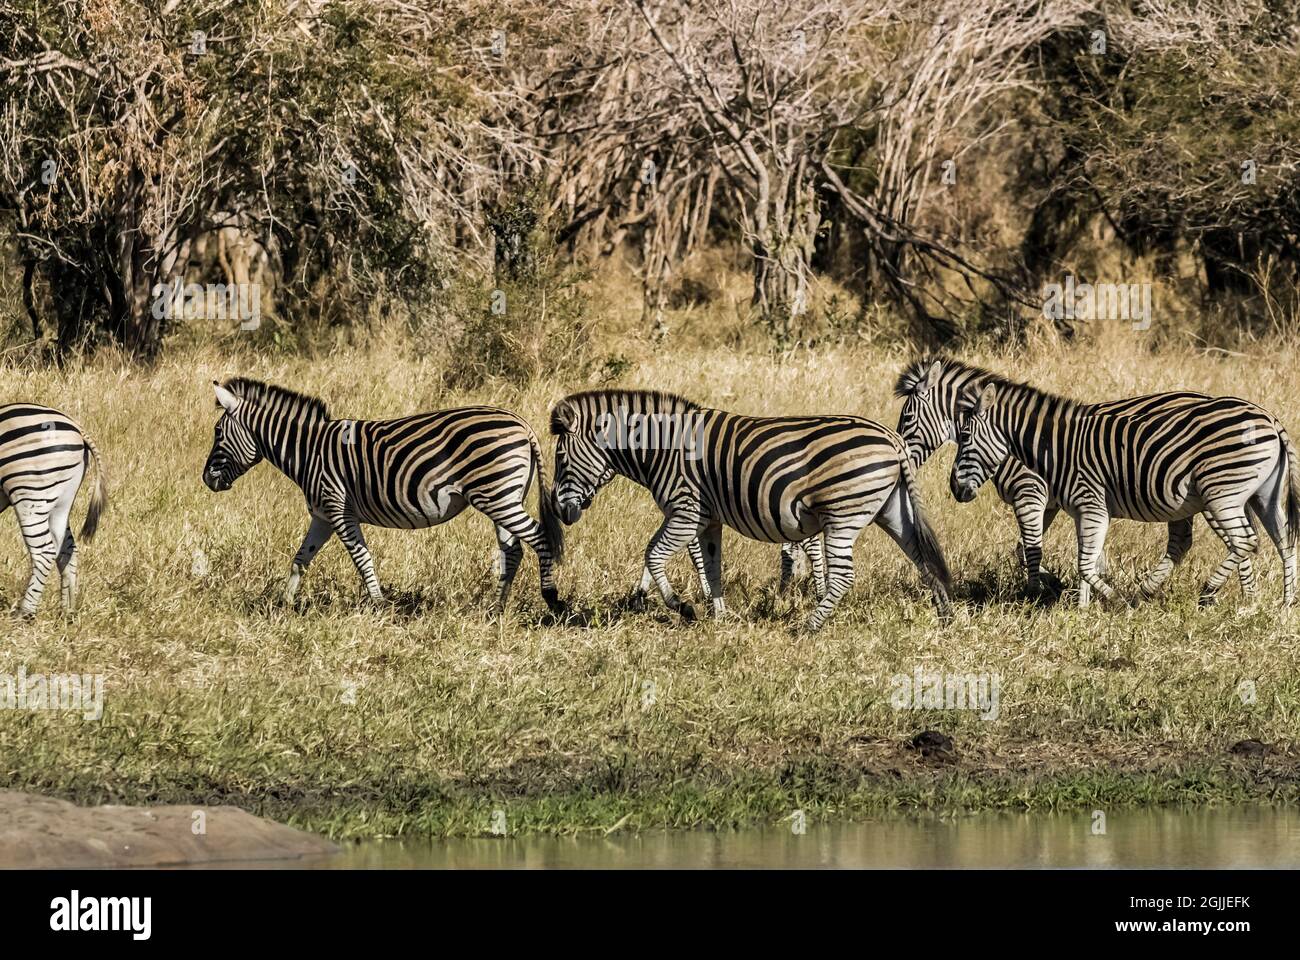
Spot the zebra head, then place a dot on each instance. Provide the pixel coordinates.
(234, 450)
(581, 464)
(981, 446)
(925, 422)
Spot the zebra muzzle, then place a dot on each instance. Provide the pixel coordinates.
(215, 482)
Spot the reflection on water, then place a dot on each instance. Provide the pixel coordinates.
(1241, 837)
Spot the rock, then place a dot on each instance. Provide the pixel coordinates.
(931, 742)
(1250, 748)
(40, 831)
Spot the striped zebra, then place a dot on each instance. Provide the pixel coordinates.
(774, 479)
(930, 389)
(44, 456)
(408, 473)
(1151, 459)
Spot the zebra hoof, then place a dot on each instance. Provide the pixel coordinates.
(636, 602)
(1207, 600)
(554, 603)
(687, 612)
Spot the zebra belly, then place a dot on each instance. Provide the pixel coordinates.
(436, 505)
(791, 529)
(1148, 513)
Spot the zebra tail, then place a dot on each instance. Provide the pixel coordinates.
(1292, 492)
(552, 528)
(931, 552)
(99, 493)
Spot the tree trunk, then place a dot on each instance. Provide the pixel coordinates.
(782, 254)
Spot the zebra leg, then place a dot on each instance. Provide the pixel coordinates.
(349, 531)
(1090, 529)
(318, 534)
(797, 559)
(709, 542)
(510, 552)
(66, 560)
(697, 560)
(1033, 518)
(1180, 541)
(42, 549)
(815, 547)
(514, 519)
(636, 602)
(838, 557)
(1238, 533)
(67, 563)
(679, 528)
(787, 565)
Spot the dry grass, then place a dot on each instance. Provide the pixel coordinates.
(215, 693)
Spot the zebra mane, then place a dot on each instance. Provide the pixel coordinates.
(984, 378)
(563, 414)
(914, 374)
(259, 394)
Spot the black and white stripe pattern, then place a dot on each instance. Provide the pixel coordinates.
(1159, 459)
(408, 473)
(774, 479)
(44, 457)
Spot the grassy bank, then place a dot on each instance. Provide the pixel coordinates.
(423, 717)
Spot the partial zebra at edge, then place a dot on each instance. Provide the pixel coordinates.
(44, 458)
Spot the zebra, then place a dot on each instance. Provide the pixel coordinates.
(1149, 459)
(408, 473)
(44, 457)
(930, 388)
(774, 479)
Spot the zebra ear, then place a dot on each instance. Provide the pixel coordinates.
(932, 376)
(563, 419)
(225, 398)
(987, 396)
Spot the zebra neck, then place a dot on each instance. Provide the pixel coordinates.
(1032, 426)
(651, 468)
(292, 446)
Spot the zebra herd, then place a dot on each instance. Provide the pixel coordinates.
(808, 483)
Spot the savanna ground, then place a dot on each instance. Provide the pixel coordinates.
(423, 717)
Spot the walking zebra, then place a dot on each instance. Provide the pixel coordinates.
(930, 389)
(1152, 459)
(44, 457)
(407, 473)
(774, 479)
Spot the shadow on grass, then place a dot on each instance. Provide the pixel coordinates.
(990, 588)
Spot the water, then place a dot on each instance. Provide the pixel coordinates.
(1240, 837)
